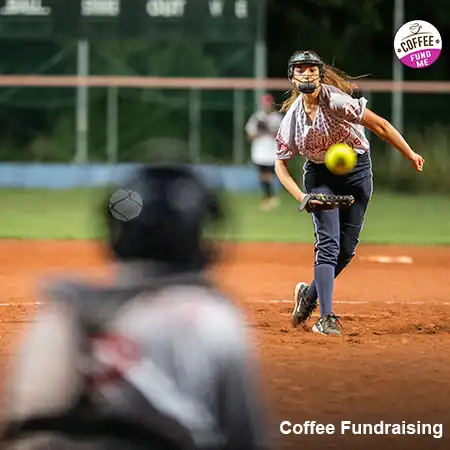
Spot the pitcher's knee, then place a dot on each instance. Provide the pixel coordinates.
(326, 252)
(347, 250)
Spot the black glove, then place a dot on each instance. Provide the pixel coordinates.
(327, 202)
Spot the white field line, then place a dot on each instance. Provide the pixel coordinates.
(342, 302)
(349, 302)
(18, 304)
(339, 302)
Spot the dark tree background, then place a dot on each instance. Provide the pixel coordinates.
(38, 124)
(358, 36)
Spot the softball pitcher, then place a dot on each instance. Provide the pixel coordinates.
(155, 358)
(321, 111)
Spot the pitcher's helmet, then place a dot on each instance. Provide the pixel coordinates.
(304, 57)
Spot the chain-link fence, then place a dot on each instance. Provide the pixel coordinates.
(65, 123)
(202, 120)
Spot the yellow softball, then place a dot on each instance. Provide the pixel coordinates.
(340, 159)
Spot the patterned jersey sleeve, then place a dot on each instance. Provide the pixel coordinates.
(286, 148)
(345, 106)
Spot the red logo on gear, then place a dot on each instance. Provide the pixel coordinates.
(114, 355)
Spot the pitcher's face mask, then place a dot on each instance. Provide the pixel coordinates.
(306, 78)
(305, 71)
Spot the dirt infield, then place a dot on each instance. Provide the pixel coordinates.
(392, 365)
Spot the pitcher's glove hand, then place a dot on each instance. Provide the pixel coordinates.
(322, 202)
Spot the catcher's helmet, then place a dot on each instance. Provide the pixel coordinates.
(160, 214)
(304, 57)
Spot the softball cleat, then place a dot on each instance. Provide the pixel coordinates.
(303, 308)
(328, 326)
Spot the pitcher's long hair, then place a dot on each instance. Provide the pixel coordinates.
(331, 75)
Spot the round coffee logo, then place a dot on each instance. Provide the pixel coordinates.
(417, 44)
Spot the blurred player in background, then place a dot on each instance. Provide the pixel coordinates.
(261, 129)
(155, 359)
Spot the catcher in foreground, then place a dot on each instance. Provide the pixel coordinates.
(154, 358)
(323, 110)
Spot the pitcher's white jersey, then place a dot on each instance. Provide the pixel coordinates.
(338, 119)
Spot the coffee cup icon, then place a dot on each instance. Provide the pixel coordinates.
(415, 28)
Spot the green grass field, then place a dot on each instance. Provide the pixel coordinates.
(391, 219)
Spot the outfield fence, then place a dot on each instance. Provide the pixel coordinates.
(127, 119)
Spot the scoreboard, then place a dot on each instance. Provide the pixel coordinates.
(205, 20)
